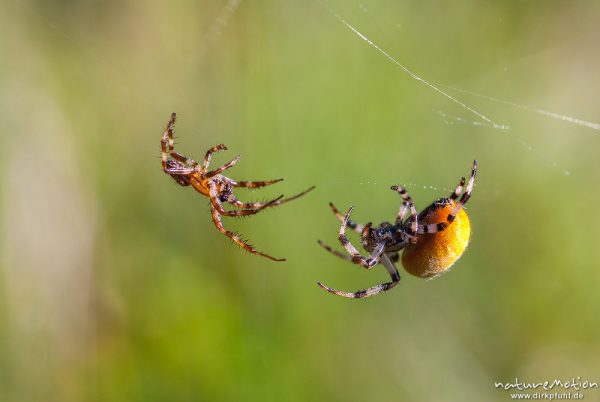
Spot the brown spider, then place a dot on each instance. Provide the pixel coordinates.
(215, 186)
(432, 241)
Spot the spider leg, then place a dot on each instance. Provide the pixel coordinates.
(177, 156)
(334, 252)
(216, 203)
(220, 170)
(357, 258)
(208, 155)
(372, 291)
(458, 190)
(357, 227)
(167, 147)
(467, 194)
(438, 227)
(255, 184)
(166, 142)
(293, 197)
(236, 238)
(180, 171)
(232, 199)
(407, 205)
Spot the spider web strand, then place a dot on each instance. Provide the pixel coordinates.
(404, 68)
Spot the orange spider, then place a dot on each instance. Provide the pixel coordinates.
(432, 241)
(215, 186)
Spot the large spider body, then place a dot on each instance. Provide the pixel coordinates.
(215, 186)
(434, 253)
(432, 241)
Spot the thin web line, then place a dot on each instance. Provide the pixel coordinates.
(574, 120)
(455, 119)
(405, 69)
(220, 22)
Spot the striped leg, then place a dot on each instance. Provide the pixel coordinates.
(407, 205)
(356, 257)
(216, 203)
(435, 227)
(458, 190)
(166, 142)
(372, 291)
(208, 155)
(167, 145)
(255, 184)
(335, 252)
(178, 157)
(236, 238)
(232, 199)
(438, 227)
(467, 194)
(357, 227)
(220, 170)
(293, 197)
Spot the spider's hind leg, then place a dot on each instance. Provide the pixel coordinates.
(236, 238)
(458, 190)
(466, 194)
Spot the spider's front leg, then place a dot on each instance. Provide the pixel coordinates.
(232, 199)
(168, 149)
(207, 157)
(364, 234)
(357, 227)
(372, 291)
(407, 205)
(166, 142)
(255, 184)
(221, 169)
(357, 258)
(334, 252)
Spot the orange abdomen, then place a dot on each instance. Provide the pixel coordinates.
(435, 253)
(199, 184)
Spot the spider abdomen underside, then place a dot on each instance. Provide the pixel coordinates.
(435, 253)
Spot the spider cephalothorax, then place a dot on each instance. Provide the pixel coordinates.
(217, 187)
(432, 241)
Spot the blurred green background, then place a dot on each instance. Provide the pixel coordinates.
(115, 285)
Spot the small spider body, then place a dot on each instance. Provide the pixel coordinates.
(432, 240)
(435, 253)
(215, 186)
